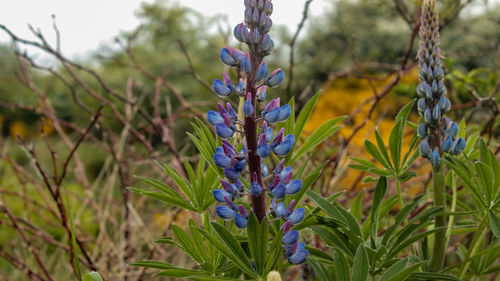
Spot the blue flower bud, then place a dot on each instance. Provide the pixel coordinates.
(262, 93)
(278, 139)
(214, 117)
(265, 42)
(267, 25)
(279, 191)
(240, 221)
(428, 91)
(225, 212)
(228, 187)
(262, 21)
(460, 146)
(240, 88)
(226, 57)
(272, 116)
(425, 150)
(247, 106)
(228, 148)
(421, 89)
(240, 165)
(290, 237)
(220, 88)
(285, 111)
(255, 19)
(264, 150)
(286, 146)
(436, 113)
(260, 5)
(249, 16)
(434, 88)
(275, 78)
(297, 216)
(435, 158)
(262, 72)
(255, 189)
(264, 169)
(427, 116)
(245, 34)
(422, 130)
(441, 88)
(232, 114)
(293, 187)
(222, 160)
(438, 73)
(269, 134)
(238, 32)
(245, 65)
(285, 173)
(219, 195)
(280, 209)
(299, 257)
(223, 131)
(268, 7)
(279, 167)
(421, 105)
(231, 173)
(289, 208)
(447, 144)
(452, 129)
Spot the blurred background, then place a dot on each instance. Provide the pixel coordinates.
(93, 93)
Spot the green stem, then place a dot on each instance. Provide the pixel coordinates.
(473, 247)
(453, 206)
(400, 195)
(439, 249)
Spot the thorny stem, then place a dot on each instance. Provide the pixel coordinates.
(251, 135)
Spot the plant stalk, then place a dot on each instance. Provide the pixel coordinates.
(439, 249)
(251, 135)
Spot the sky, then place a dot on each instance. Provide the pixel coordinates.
(85, 25)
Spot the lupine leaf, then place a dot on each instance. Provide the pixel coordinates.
(234, 246)
(319, 269)
(243, 264)
(341, 267)
(165, 198)
(187, 243)
(432, 276)
(182, 183)
(275, 251)
(405, 212)
(380, 191)
(322, 133)
(357, 206)
(375, 153)
(494, 223)
(361, 265)
(395, 143)
(257, 242)
(394, 269)
(304, 115)
(92, 276)
(154, 264)
(400, 246)
(383, 150)
(403, 274)
(181, 272)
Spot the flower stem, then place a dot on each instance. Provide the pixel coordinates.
(251, 135)
(439, 249)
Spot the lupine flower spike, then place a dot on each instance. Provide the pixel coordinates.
(438, 133)
(258, 143)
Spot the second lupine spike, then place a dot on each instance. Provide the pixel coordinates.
(438, 133)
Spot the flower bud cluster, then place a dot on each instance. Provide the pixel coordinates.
(260, 141)
(438, 133)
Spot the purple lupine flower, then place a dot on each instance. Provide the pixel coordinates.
(275, 78)
(253, 87)
(290, 237)
(240, 221)
(438, 133)
(293, 187)
(225, 212)
(247, 105)
(296, 216)
(219, 195)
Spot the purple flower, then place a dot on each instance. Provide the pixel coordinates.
(240, 221)
(264, 169)
(220, 88)
(222, 160)
(294, 186)
(225, 212)
(232, 174)
(286, 146)
(245, 65)
(262, 72)
(223, 131)
(290, 237)
(219, 195)
(275, 78)
(247, 105)
(297, 216)
(279, 191)
(214, 117)
(285, 111)
(435, 158)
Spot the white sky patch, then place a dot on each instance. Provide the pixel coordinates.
(85, 25)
